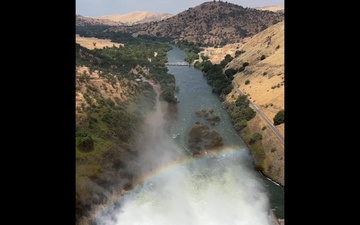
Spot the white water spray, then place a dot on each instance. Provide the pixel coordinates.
(215, 190)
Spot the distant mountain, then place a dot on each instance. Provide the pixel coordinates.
(209, 23)
(137, 17)
(278, 8)
(121, 19)
(86, 21)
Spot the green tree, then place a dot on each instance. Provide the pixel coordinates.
(242, 101)
(168, 96)
(228, 58)
(207, 66)
(279, 118)
(230, 73)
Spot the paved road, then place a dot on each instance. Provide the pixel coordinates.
(270, 124)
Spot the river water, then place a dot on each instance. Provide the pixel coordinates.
(194, 94)
(220, 188)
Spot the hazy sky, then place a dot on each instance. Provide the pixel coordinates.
(95, 8)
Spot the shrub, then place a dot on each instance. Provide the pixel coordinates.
(238, 52)
(247, 82)
(240, 125)
(87, 98)
(84, 142)
(262, 57)
(255, 137)
(241, 69)
(247, 113)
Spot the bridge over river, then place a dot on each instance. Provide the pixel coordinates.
(177, 64)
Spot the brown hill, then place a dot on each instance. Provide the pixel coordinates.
(278, 8)
(137, 17)
(210, 23)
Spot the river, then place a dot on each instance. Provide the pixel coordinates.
(196, 94)
(220, 188)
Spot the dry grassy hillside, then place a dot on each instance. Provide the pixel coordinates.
(108, 86)
(92, 84)
(99, 43)
(266, 87)
(137, 17)
(265, 54)
(217, 54)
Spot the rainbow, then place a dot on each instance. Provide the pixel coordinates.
(180, 163)
(168, 168)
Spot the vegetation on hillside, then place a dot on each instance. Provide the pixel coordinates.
(108, 118)
(91, 30)
(240, 112)
(216, 76)
(121, 61)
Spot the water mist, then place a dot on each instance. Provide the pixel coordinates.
(175, 189)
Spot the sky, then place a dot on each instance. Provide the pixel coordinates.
(97, 8)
